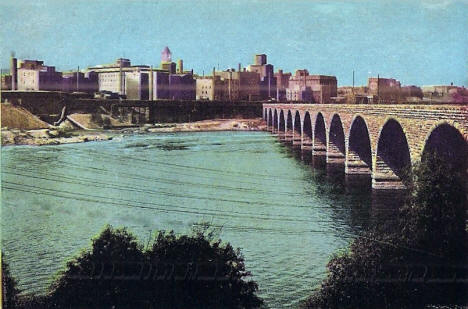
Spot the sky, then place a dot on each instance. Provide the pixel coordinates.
(419, 42)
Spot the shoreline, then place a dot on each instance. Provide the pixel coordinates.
(63, 135)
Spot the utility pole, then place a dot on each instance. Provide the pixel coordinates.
(378, 90)
(150, 89)
(78, 79)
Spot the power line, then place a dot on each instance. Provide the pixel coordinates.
(89, 181)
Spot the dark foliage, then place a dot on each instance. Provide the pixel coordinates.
(9, 289)
(175, 272)
(197, 272)
(415, 265)
(99, 277)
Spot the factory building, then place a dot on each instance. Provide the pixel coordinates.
(33, 75)
(123, 78)
(212, 88)
(160, 84)
(384, 89)
(241, 85)
(282, 83)
(267, 81)
(79, 82)
(304, 87)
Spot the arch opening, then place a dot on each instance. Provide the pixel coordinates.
(359, 156)
(297, 134)
(448, 143)
(275, 121)
(270, 119)
(288, 133)
(320, 137)
(307, 136)
(392, 157)
(336, 141)
(281, 125)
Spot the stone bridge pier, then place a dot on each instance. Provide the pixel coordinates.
(383, 141)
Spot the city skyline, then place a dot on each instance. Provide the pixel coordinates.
(332, 38)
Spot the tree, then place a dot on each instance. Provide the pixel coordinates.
(98, 277)
(380, 269)
(197, 271)
(9, 287)
(188, 271)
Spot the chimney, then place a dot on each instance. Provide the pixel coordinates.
(214, 72)
(14, 72)
(239, 67)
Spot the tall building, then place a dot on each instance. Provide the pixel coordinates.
(311, 88)
(267, 82)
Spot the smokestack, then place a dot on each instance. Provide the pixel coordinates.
(239, 67)
(150, 81)
(180, 65)
(14, 72)
(214, 72)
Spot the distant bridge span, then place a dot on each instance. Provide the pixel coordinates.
(379, 140)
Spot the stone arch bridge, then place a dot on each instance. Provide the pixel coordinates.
(378, 140)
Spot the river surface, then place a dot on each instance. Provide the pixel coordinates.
(287, 216)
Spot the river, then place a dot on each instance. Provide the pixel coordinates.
(287, 216)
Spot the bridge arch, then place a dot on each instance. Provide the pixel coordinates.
(447, 142)
(270, 119)
(307, 132)
(275, 121)
(288, 133)
(297, 129)
(320, 136)
(281, 124)
(336, 152)
(359, 152)
(392, 156)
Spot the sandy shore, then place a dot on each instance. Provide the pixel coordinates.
(57, 136)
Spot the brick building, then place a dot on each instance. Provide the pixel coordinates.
(384, 89)
(212, 88)
(282, 83)
(304, 87)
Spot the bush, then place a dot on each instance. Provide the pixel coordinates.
(197, 272)
(175, 272)
(415, 265)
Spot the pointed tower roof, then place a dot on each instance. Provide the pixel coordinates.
(166, 55)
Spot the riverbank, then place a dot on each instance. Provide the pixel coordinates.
(66, 134)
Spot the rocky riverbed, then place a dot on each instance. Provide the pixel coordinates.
(66, 134)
